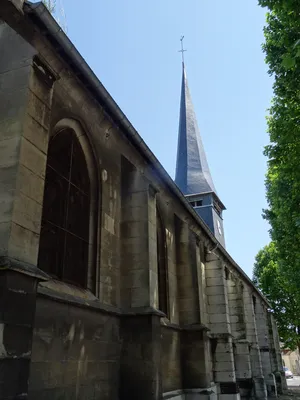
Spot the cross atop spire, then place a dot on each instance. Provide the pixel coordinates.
(182, 49)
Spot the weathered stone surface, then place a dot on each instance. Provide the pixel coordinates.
(17, 306)
(140, 359)
(73, 347)
(171, 360)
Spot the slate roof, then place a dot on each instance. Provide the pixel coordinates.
(192, 170)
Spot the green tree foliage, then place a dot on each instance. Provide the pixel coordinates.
(51, 5)
(268, 278)
(56, 9)
(282, 49)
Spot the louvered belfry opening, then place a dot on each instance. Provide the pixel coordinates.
(64, 240)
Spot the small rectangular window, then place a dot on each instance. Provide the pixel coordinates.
(254, 303)
(197, 203)
(226, 273)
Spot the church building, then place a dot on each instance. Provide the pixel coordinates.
(115, 282)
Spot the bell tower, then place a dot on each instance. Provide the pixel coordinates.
(192, 171)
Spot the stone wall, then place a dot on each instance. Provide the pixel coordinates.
(75, 352)
(171, 360)
(291, 360)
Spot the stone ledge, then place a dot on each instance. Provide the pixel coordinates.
(212, 390)
(25, 356)
(8, 263)
(141, 311)
(224, 335)
(62, 292)
(189, 327)
(76, 299)
(195, 327)
(175, 394)
(241, 341)
(170, 325)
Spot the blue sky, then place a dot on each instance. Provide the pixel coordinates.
(132, 46)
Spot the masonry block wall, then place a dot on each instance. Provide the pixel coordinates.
(24, 122)
(260, 388)
(153, 307)
(75, 354)
(171, 360)
(275, 355)
(171, 333)
(238, 328)
(261, 315)
(220, 329)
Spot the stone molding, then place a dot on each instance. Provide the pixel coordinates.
(212, 390)
(187, 327)
(8, 263)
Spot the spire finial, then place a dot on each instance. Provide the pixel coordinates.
(182, 49)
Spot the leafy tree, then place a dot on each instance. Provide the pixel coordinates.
(51, 5)
(282, 48)
(56, 9)
(268, 278)
(282, 256)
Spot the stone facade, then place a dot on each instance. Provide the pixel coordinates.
(150, 305)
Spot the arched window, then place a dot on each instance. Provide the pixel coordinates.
(163, 301)
(64, 240)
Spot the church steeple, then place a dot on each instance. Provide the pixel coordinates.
(192, 170)
(193, 176)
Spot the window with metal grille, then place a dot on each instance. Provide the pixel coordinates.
(162, 266)
(64, 240)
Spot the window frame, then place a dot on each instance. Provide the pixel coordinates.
(196, 203)
(162, 286)
(92, 269)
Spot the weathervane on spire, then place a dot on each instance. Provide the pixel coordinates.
(182, 49)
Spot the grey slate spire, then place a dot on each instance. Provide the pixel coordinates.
(193, 176)
(192, 171)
